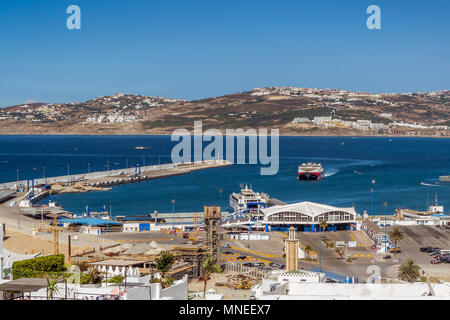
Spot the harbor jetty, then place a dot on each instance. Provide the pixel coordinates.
(105, 179)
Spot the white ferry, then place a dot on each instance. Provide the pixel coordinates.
(248, 200)
(310, 171)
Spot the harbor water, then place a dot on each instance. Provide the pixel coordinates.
(405, 171)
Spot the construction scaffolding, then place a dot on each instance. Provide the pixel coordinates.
(212, 226)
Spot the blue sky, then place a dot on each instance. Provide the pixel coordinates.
(202, 48)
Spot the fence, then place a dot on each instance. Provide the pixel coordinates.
(250, 271)
(335, 276)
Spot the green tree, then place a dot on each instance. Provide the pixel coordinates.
(308, 250)
(165, 262)
(93, 276)
(409, 271)
(210, 266)
(396, 235)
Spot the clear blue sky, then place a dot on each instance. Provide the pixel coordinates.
(201, 48)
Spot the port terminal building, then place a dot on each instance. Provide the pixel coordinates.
(307, 216)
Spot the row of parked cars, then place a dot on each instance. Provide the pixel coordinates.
(439, 255)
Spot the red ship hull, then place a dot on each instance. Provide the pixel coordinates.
(309, 176)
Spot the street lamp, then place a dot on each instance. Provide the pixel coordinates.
(68, 169)
(89, 167)
(173, 220)
(372, 190)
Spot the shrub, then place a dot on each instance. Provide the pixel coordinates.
(53, 263)
(116, 279)
(39, 267)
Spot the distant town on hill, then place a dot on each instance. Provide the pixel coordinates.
(294, 111)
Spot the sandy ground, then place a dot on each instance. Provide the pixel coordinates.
(26, 244)
(229, 294)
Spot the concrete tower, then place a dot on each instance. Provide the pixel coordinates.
(291, 249)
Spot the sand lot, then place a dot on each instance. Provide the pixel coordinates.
(26, 244)
(229, 294)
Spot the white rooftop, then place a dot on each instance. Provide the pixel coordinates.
(309, 208)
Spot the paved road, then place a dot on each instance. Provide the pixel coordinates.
(149, 236)
(271, 251)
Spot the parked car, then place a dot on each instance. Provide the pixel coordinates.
(435, 261)
(388, 256)
(395, 250)
(275, 265)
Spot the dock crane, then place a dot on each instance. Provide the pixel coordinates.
(55, 230)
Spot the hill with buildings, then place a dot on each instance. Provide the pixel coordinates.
(295, 111)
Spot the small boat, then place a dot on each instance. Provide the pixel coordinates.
(141, 148)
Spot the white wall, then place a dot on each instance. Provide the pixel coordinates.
(366, 290)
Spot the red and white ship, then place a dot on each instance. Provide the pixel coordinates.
(310, 171)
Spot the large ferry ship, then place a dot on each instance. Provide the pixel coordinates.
(310, 171)
(248, 200)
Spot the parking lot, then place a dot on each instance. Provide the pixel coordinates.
(416, 237)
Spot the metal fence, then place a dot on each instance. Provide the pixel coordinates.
(250, 271)
(335, 276)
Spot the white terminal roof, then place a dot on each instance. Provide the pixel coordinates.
(311, 209)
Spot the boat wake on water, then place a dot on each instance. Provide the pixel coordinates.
(331, 172)
(430, 184)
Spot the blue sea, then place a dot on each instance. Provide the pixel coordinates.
(405, 171)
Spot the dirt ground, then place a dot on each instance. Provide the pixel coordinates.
(26, 244)
(229, 294)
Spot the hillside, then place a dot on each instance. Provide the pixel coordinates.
(274, 107)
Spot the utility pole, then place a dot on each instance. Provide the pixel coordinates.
(17, 170)
(89, 167)
(69, 250)
(68, 169)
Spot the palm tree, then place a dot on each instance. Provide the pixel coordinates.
(324, 225)
(396, 235)
(52, 287)
(308, 250)
(210, 266)
(409, 271)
